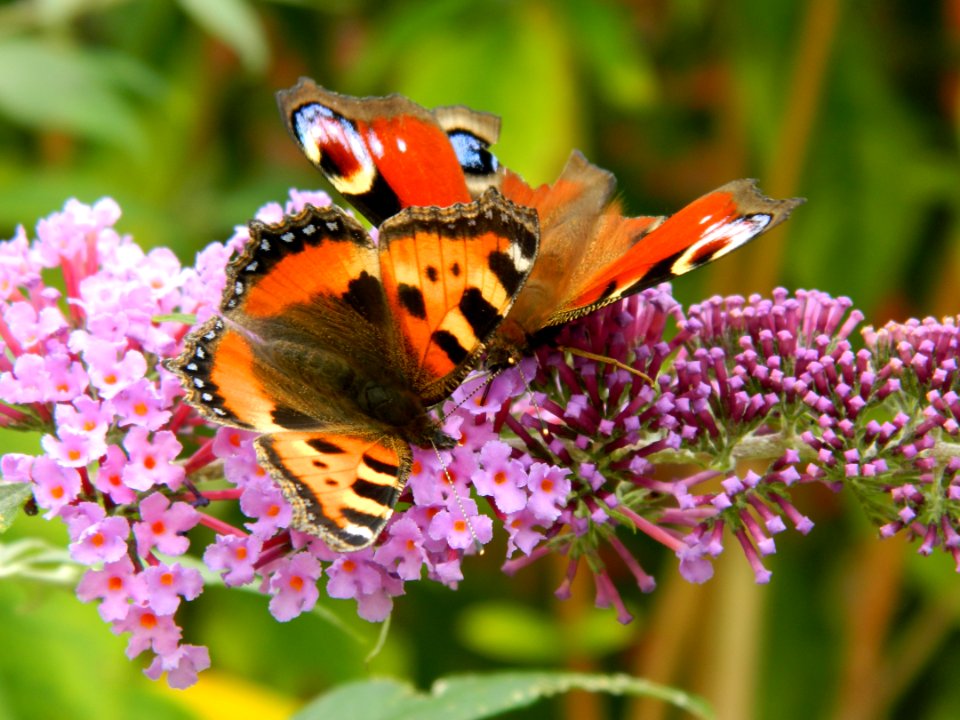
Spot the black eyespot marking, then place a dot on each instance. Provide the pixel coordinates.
(378, 203)
(472, 152)
(448, 342)
(383, 494)
(356, 517)
(412, 300)
(366, 297)
(324, 446)
(503, 267)
(381, 467)
(455, 269)
(320, 464)
(432, 273)
(481, 315)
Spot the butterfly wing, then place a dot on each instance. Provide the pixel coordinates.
(451, 275)
(341, 487)
(384, 154)
(591, 255)
(707, 229)
(274, 358)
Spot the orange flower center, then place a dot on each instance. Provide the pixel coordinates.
(148, 621)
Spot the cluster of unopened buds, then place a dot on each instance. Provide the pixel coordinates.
(558, 454)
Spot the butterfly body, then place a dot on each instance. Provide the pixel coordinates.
(334, 347)
(590, 254)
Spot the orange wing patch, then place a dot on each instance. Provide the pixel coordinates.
(705, 230)
(382, 154)
(217, 369)
(450, 276)
(404, 142)
(319, 251)
(342, 488)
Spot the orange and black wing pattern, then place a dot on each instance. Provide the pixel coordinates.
(451, 275)
(334, 346)
(341, 487)
(384, 154)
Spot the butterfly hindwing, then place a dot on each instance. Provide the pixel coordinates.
(386, 154)
(341, 487)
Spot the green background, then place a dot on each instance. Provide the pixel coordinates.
(168, 107)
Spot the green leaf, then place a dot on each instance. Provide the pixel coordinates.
(236, 24)
(60, 87)
(12, 498)
(470, 697)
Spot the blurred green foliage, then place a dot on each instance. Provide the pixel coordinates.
(168, 107)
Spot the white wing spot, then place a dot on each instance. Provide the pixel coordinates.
(287, 237)
(375, 145)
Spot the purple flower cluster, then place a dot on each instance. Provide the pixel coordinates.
(773, 383)
(559, 452)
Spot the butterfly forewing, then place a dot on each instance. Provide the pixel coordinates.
(705, 230)
(227, 366)
(451, 275)
(386, 154)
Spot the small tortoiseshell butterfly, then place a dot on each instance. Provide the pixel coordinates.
(334, 346)
(384, 154)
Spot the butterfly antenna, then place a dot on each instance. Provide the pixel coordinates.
(485, 386)
(604, 359)
(545, 433)
(477, 545)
